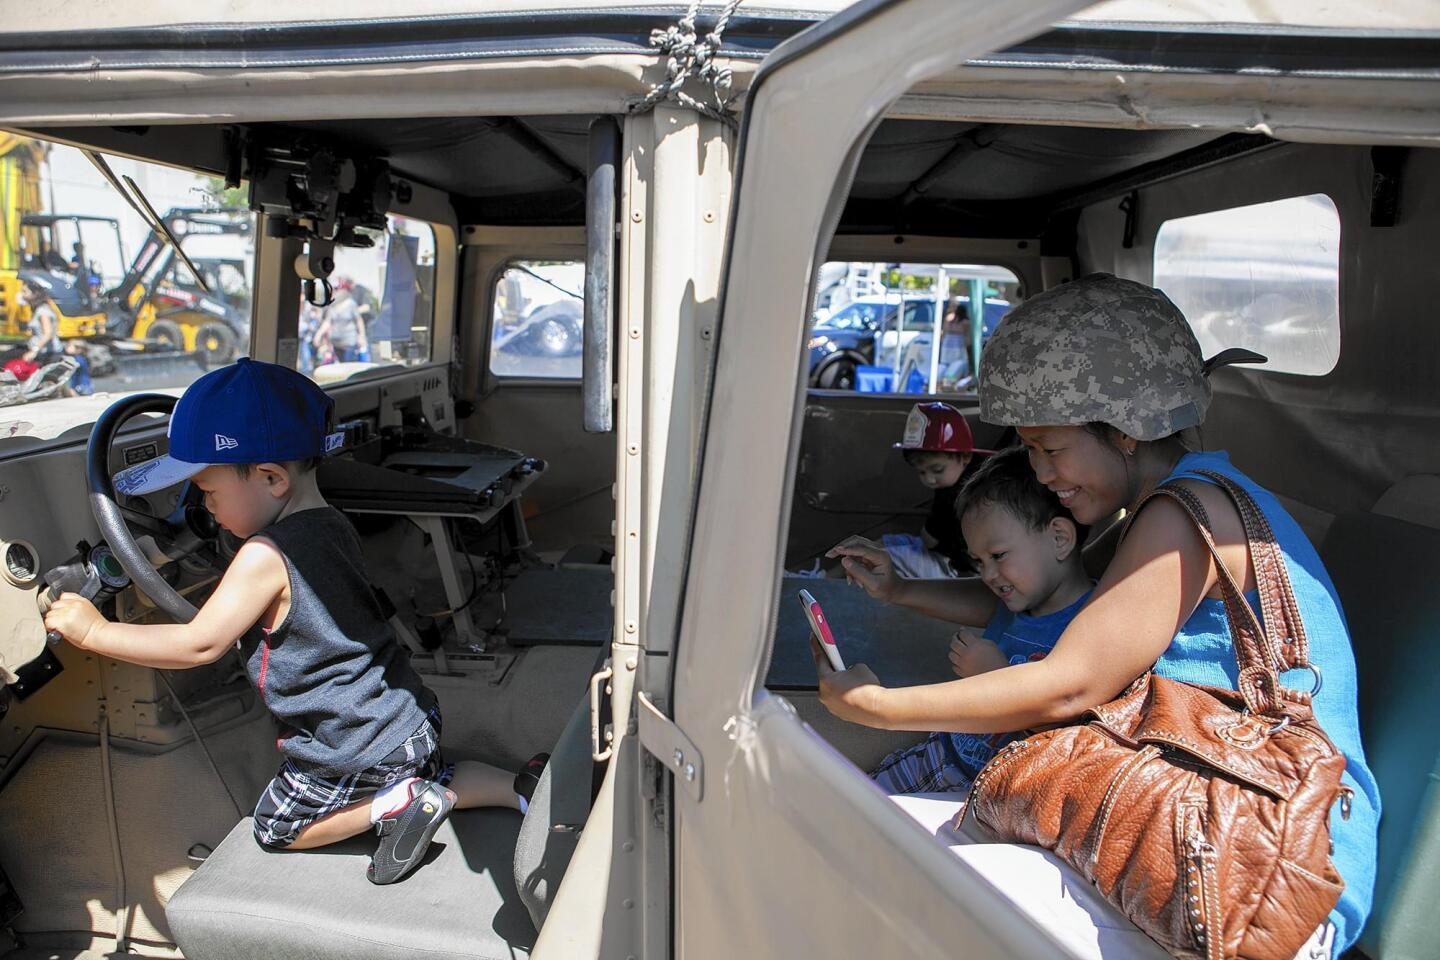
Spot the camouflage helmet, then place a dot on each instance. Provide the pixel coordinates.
(1097, 349)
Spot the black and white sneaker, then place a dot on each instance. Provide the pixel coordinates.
(405, 833)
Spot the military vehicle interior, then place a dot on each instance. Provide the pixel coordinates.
(111, 802)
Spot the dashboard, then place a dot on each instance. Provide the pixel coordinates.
(46, 519)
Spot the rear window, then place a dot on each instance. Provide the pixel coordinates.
(537, 330)
(1265, 277)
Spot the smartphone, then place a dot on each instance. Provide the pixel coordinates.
(821, 628)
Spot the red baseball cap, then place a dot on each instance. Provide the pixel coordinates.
(939, 428)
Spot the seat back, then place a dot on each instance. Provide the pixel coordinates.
(1387, 571)
(557, 814)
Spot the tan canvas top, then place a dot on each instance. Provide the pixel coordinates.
(102, 14)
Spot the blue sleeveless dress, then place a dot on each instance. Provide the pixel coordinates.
(1202, 653)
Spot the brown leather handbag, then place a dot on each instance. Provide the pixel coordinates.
(1201, 813)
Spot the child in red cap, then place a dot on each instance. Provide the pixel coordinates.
(938, 445)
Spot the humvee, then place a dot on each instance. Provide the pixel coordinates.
(603, 566)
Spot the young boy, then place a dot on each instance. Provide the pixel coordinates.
(1025, 547)
(362, 732)
(938, 445)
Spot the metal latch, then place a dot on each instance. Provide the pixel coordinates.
(667, 743)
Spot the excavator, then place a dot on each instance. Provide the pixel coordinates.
(157, 307)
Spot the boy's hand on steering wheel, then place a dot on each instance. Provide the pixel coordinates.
(852, 694)
(867, 564)
(972, 653)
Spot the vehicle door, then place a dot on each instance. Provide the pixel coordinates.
(781, 848)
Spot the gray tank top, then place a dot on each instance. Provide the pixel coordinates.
(332, 672)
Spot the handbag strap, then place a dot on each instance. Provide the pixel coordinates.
(1259, 683)
(1279, 611)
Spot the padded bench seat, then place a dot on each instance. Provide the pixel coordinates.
(1036, 882)
(250, 903)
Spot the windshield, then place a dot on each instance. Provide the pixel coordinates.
(92, 305)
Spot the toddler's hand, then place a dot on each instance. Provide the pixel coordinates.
(74, 618)
(971, 653)
(867, 564)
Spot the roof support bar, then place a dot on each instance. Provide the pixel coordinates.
(598, 370)
(969, 142)
(527, 139)
(1216, 151)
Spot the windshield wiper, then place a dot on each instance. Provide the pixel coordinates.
(136, 199)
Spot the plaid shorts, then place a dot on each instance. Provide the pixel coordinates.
(296, 798)
(930, 766)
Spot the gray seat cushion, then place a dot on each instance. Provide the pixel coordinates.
(249, 903)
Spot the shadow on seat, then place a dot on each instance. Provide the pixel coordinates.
(250, 903)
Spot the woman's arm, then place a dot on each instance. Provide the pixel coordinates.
(964, 600)
(1156, 580)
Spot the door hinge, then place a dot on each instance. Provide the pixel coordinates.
(665, 741)
(598, 728)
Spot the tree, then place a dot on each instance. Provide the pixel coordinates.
(226, 198)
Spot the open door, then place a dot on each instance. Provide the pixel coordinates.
(781, 848)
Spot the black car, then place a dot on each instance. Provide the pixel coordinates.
(846, 339)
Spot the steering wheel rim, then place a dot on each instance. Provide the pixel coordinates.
(110, 517)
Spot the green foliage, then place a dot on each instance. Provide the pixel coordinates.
(894, 280)
(227, 197)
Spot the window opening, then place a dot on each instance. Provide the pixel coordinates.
(383, 309)
(1265, 277)
(905, 327)
(92, 300)
(537, 326)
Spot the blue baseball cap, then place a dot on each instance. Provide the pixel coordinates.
(247, 412)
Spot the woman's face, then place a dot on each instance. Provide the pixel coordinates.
(1088, 474)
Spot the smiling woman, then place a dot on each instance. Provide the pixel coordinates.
(1100, 377)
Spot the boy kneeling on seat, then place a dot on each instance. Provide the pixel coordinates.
(362, 732)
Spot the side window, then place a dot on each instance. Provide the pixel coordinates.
(875, 325)
(1265, 277)
(919, 317)
(538, 324)
(383, 310)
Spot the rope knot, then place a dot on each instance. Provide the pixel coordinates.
(687, 55)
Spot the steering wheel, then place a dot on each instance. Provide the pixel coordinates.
(188, 530)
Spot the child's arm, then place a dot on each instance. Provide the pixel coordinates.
(963, 600)
(250, 587)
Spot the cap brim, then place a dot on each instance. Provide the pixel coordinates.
(155, 475)
(901, 446)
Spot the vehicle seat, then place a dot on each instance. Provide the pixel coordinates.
(246, 902)
(1386, 569)
(481, 894)
(1036, 883)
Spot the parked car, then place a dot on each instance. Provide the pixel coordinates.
(847, 338)
(550, 330)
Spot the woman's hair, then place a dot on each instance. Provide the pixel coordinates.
(1006, 480)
